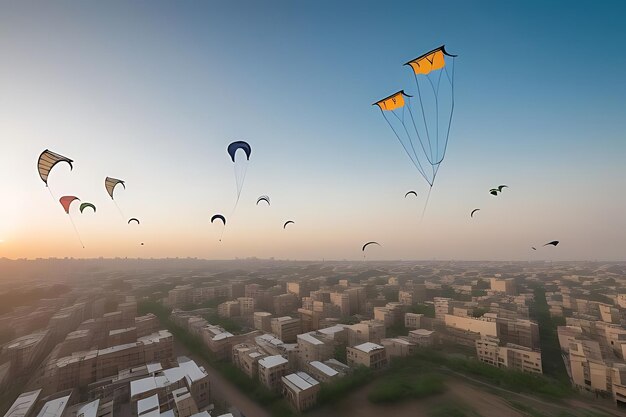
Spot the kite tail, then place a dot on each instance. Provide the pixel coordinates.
(426, 203)
(76, 230)
(119, 210)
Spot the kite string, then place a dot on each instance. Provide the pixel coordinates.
(426, 203)
(76, 230)
(443, 155)
(119, 210)
(415, 162)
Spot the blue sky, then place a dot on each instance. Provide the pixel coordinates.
(153, 92)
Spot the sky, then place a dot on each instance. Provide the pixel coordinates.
(153, 92)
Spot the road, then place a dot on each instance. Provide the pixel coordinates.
(223, 389)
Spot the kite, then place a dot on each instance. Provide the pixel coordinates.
(533, 248)
(133, 220)
(495, 191)
(474, 211)
(220, 217)
(263, 198)
(111, 183)
(500, 187)
(66, 201)
(423, 131)
(83, 206)
(553, 243)
(288, 222)
(410, 192)
(367, 244)
(47, 160)
(241, 164)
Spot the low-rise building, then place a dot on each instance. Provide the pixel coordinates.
(368, 354)
(301, 390)
(271, 370)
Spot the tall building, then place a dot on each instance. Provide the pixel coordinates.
(286, 328)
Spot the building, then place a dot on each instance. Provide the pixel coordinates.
(367, 354)
(315, 346)
(391, 315)
(24, 352)
(218, 340)
(412, 320)
(286, 328)
(246, 357)
(301, 390)
(263, 321)
(322, 372)
(146, 325)
(271, 370)
(24, 405)
(518, 332)
(503, 285)
(54, 408)
(229, 309)
(162, 383)
(398, 347)
(511, 356)
(365, 331)
(246, 306)
(422, 337)
(485, 325)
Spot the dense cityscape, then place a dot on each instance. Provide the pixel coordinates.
(187, 337)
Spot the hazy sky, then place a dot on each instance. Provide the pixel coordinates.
(152, 92)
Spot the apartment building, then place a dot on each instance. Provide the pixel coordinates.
(398, 347)
(365, 331)
(301, 390)
(263, 321)
(367, 354)
(489, 351)
(286, 328)
(271, 370)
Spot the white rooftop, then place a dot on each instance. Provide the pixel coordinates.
(308, 337)
(271, 361)
(332, 329)
(300, 381)
(421, 332)
(85, 410)
(23, 404)
(322, 367)
(148, 407)
(368, 347)
(54, 408)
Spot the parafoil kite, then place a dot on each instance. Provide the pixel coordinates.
(288, 222)
(493, 191)
(423, 131)
(218, 217)
(410, 192)
(241, 164)
(47, 160)
(474, 211)
(111, 183)
(83, 206)
(263, 198)
(367, 244)
(133, 220)
(66, 201)
(553, 243)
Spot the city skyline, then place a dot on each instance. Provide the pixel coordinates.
(122, 87)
